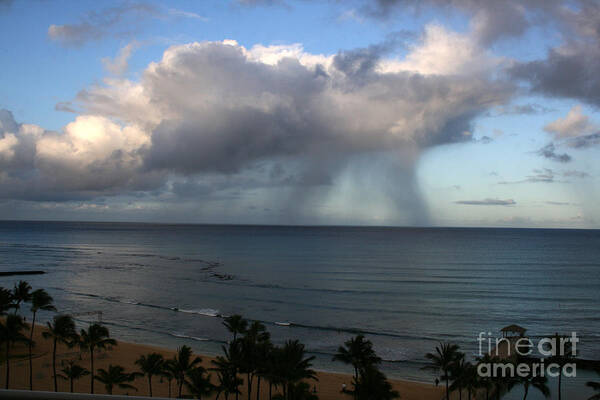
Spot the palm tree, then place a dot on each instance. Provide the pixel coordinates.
(73, 372)
(359, 353)
(6, 301)
(373, 384)
(301, 391)
(295, 366)
(470, 380)
(235, 324)
(168, 372)
(459, 374)
(262, 348)
(198, 383)
(21, 294)
(484, 381)
(227, 367)
(11, 331)
(442, 361)
(184, 363)
(596, 387)
(537, 382)
(40, 300)
(273, 370)
(502, 382)
(61, 330)
(560, 358)
(253, 336)
(115, 376)
(229, 382)
(150, 365)
(95, 337)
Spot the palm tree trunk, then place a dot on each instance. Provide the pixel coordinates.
(560, 384)
(169, 380)
(258, 389)
(355, 395)
(526, 390)
(150, 385)
(459, 393)
(180, 383)
(54, 365)
(487, 393)
(249, 385)
(31, 353)
(71, 384)
(92, 370)
(7, 362)
(270, 390)
(447, 384)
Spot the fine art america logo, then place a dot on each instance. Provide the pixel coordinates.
(512, 357)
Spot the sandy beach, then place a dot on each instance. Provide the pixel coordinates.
(328, 387)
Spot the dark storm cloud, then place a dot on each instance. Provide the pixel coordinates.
(291, 110)
(216, 120)
(571, 69)
(572, 74)
(487, 202)
(490, 19)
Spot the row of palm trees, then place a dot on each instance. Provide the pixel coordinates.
(250, 355)
(461, 375)
(61, 330)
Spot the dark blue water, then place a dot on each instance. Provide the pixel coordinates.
(404, 288)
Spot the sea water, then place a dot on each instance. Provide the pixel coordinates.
(405, 289)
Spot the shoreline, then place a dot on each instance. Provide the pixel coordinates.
(125, 353)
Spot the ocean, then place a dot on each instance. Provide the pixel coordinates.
(405, 289)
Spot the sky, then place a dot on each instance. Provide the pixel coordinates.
(357, 112)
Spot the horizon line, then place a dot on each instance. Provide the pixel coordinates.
(296, 225)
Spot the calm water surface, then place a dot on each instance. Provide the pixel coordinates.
(404, 288)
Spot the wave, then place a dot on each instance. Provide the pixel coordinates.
(184, 336)
(208, 312)
(213, 313)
